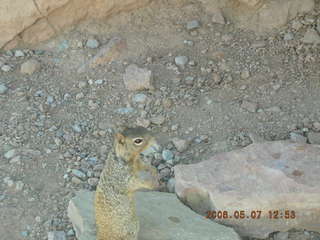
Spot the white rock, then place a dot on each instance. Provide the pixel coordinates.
(29, 67)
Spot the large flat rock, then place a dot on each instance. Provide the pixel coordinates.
(270, 176)
(162, 217)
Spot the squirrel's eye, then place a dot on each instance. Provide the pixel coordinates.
(138, 141)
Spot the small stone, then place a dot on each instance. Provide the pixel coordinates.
(249, 106)
(82, 84)
(79, 96)
(167, 155)
(297, 138)
(24, 234)
(29, 67)
(314, 137)
(281, 236)
(140, 98)
(76, 128)
(218, 17)
(167, 103)
(189, 80)
(171, 185)
(15, 159)
(258, 44)
(3, 88)
(245, 74)
(98, 82)
(10, 154)
(8, 181)
(288, 36)
(316, 126)
(76, 180)
(19, 186)
(50, 100)
(158, 120)
(136, 78)
(6, 68)
(311, 36)
(181, 61)
(19, 53)
(126, 110)
(192, 25)
(93, 181)
(70, 233)
(92, 43)
(296, 25)
(180, 144)
(142, 122)
(56, 235)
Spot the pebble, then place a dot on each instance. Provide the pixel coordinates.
(76, 180)
(82, 84)
(19, 53)
(181, 61)
(93, 181)
(167, 155)
(192, 25)
(158, 120)
(3, 88)
(70, 233)
(10, 154)
(218, 16)
(6, 68)
(29, 67)
(79, 96)
(258, 44)
(180, 144)
(76, 128)
(126, 110)
(288, 36)
(171, 185)
(136, 78)
(142, 122)
(140, 98)
(245, 74)
(316, 126)
(311, 36)
(99, 82)
(281, 236)
(92, 43)
(19, 186)
(249, 106)
(50, 100)
(56, 235)
(24, 234)
(297, 138)
(314, 137)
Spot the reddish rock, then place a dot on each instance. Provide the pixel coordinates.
(266, 176)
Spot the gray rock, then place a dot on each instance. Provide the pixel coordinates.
(3, 88)
(161, 216)
(29, 67)
(6, 68)
(297, 138)
(263, 175)
(76, 128)
(99, 81)
(19, 53)
(281, 236)
(167, 155)
(79, 174)
(158, 120)
(217, 16)
(140, 98)
(314, 137)
(50, 100)
(192, 25)
(180, 144)
(245, 74)
(181, 61)
(136, 78)
(311, 36)
(126, 110)
(92, 43)
(10, 154)
(57, 235)
(316, 126)
(288, 36)
(249, 106)
(171, 185)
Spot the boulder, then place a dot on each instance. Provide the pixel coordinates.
(161, 215)
(281, 177)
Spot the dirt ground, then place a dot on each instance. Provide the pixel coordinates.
(243, 85)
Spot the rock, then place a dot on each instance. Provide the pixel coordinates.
(93, 181)
(6, 68)
(245, 74)
(167, 155)
(171, 185)
(180, 144)
(288, 36)
(126, 110)
(136, 78)
(297, 138)
(311, 36)
(3, 88)
(10, 154)
(92, 43)
(19, 53)
(181, 61)
(218, 16)
(29, 67)
(79, 174)
(316, 126)
(189, 80)
(161, 216)
(140, 98)
(249, 106)
(76, 128)
(281, 236)
(81, 214)
(158, 120)
(143, 122)
(192, 25)
(314, 137)
(108, 53)
(263, 176)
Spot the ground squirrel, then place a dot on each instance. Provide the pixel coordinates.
(124, 173)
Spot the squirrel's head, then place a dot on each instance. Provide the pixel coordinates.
(130, 142)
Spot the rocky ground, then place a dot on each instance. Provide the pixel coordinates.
(212, 88)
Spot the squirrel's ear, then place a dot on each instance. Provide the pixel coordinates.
(120, 138)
